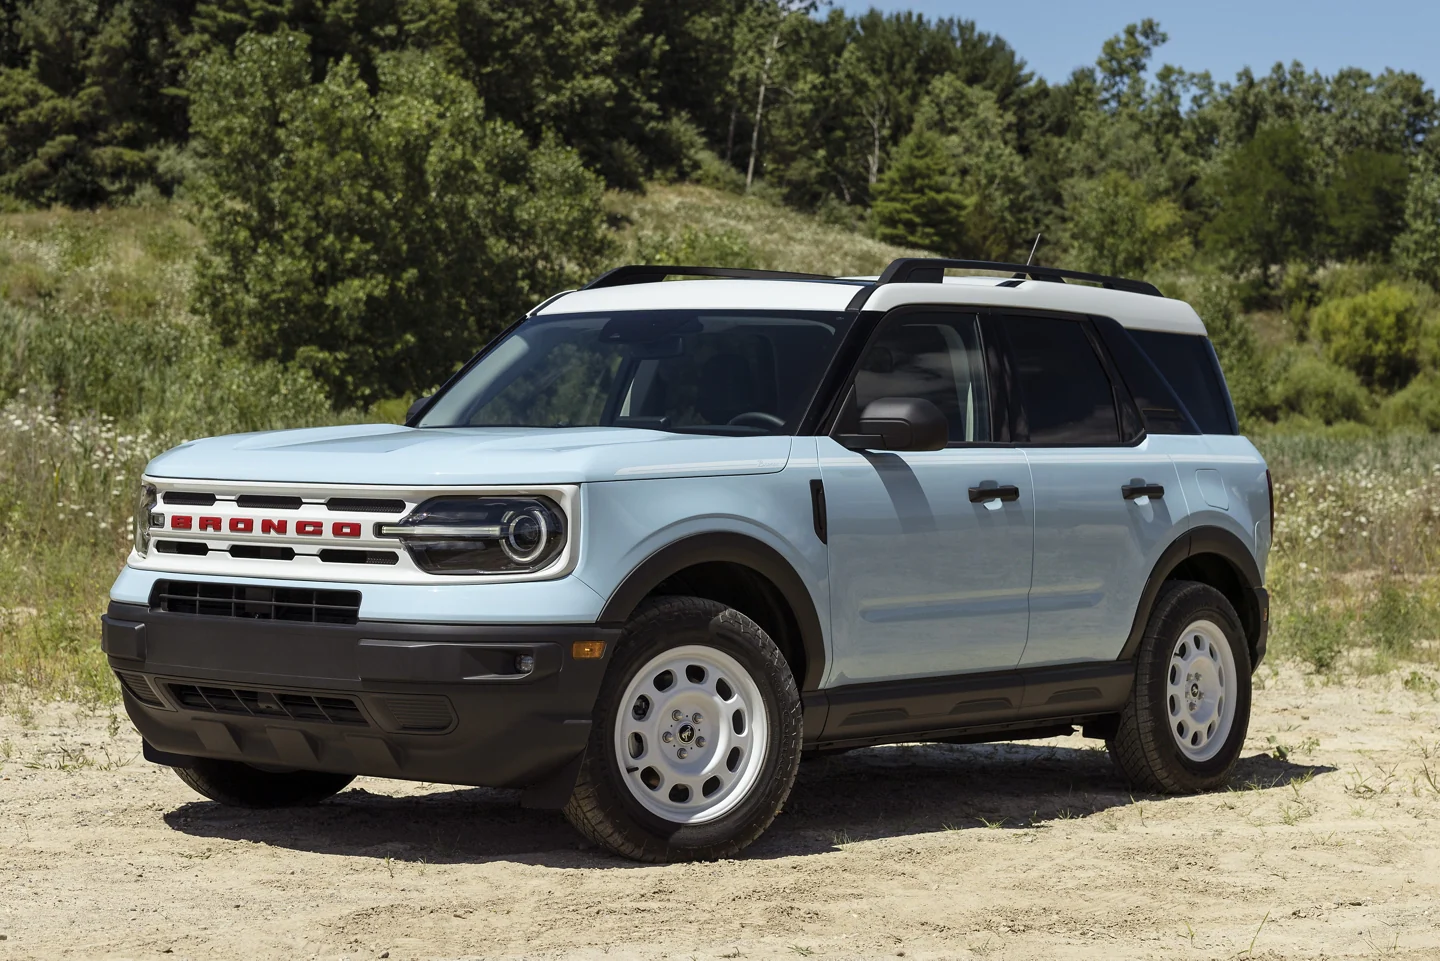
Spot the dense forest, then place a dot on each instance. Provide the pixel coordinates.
(364, 172)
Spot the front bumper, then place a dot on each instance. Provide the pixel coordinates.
(426, 702)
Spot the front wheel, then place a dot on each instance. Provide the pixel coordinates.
(696, 739)
(1187, 717)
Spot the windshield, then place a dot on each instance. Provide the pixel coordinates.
(730, 372)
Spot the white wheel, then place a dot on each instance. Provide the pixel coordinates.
(1201, 691)
(692, 734)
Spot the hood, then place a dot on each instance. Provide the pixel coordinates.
(385, 454)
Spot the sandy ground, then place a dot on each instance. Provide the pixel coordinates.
(1327, 845)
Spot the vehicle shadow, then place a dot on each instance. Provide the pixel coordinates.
(860, 795)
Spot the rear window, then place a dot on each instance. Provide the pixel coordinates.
(1189, 364)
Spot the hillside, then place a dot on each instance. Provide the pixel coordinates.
(733, 230)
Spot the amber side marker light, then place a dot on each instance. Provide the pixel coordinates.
(587, 650)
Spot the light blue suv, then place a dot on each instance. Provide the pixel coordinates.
(660, 541)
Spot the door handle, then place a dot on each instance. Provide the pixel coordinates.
(1132, 491)
(1003, 492)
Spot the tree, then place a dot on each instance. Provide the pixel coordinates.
(1365, 204)
(1123, 61)
(918, 200)
(1268, 204)
(88, 99)
(1114, 228)
(979, 139)
(1417, 248)
(374, 238)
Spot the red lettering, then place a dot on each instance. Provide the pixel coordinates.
(268, 526)
(241, 525)
(346, 529)
(179, 522)
(309, 528)
(210, 524)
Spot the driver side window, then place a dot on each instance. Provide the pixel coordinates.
(933, 356)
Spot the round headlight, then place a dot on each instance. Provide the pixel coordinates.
(526, 535)
(502, 534)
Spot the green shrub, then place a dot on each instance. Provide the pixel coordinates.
(1396, 619)
(1416, 406)
(1312, 632)
(692, 246)
(375, 239)
(1312, 387)
(167, 377)
(711, 171)
(1375, 334)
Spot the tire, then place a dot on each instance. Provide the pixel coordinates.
(1185, 723)
(636, 794)
(240, 785)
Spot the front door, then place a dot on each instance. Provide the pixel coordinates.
(927, 579)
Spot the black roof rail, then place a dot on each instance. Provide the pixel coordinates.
(653, 273)
(931, 270)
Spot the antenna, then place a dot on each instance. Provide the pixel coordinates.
(1031, 259)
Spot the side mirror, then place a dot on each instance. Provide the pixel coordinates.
(416, 407)
(899, 423)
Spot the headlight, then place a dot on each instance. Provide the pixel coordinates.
(481, 535)
(144, 506)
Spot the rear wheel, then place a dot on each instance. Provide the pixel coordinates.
(1188, 714)
(696, 738)
(240, 785)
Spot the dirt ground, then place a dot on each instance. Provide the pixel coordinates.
(1327, 845)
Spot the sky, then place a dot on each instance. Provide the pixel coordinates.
(1221, 36)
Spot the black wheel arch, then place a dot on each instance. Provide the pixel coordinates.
(1214, 556)
(774, 571)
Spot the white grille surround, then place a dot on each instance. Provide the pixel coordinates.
(337, 531)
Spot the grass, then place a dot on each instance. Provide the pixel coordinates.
(103, 365)
(730, 230)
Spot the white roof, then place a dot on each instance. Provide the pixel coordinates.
(1139, 311)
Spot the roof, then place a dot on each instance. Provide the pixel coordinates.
(1134, 310)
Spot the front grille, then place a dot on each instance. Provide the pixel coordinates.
(139, 687)
(182, 547)
(260, 603)
(321, 708)
(337, 556)
(366, 505)
(269, 502)
(262, 552)
(188, 497)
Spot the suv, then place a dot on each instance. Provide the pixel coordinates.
(658, 542)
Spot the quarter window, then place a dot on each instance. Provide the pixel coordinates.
(1065, 393)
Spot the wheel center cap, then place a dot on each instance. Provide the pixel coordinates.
(686, 734)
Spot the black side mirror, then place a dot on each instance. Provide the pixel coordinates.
(899, 423)
(416, 407)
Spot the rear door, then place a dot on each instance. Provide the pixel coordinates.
(927, 579)
(1106, 503)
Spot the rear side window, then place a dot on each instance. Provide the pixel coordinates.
(1065, 394)
(1188, 363)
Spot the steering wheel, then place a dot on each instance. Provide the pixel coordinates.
(756, 418)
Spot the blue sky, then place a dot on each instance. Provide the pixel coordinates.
(1216, 35)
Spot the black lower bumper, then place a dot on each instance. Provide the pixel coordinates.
(457, 704)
